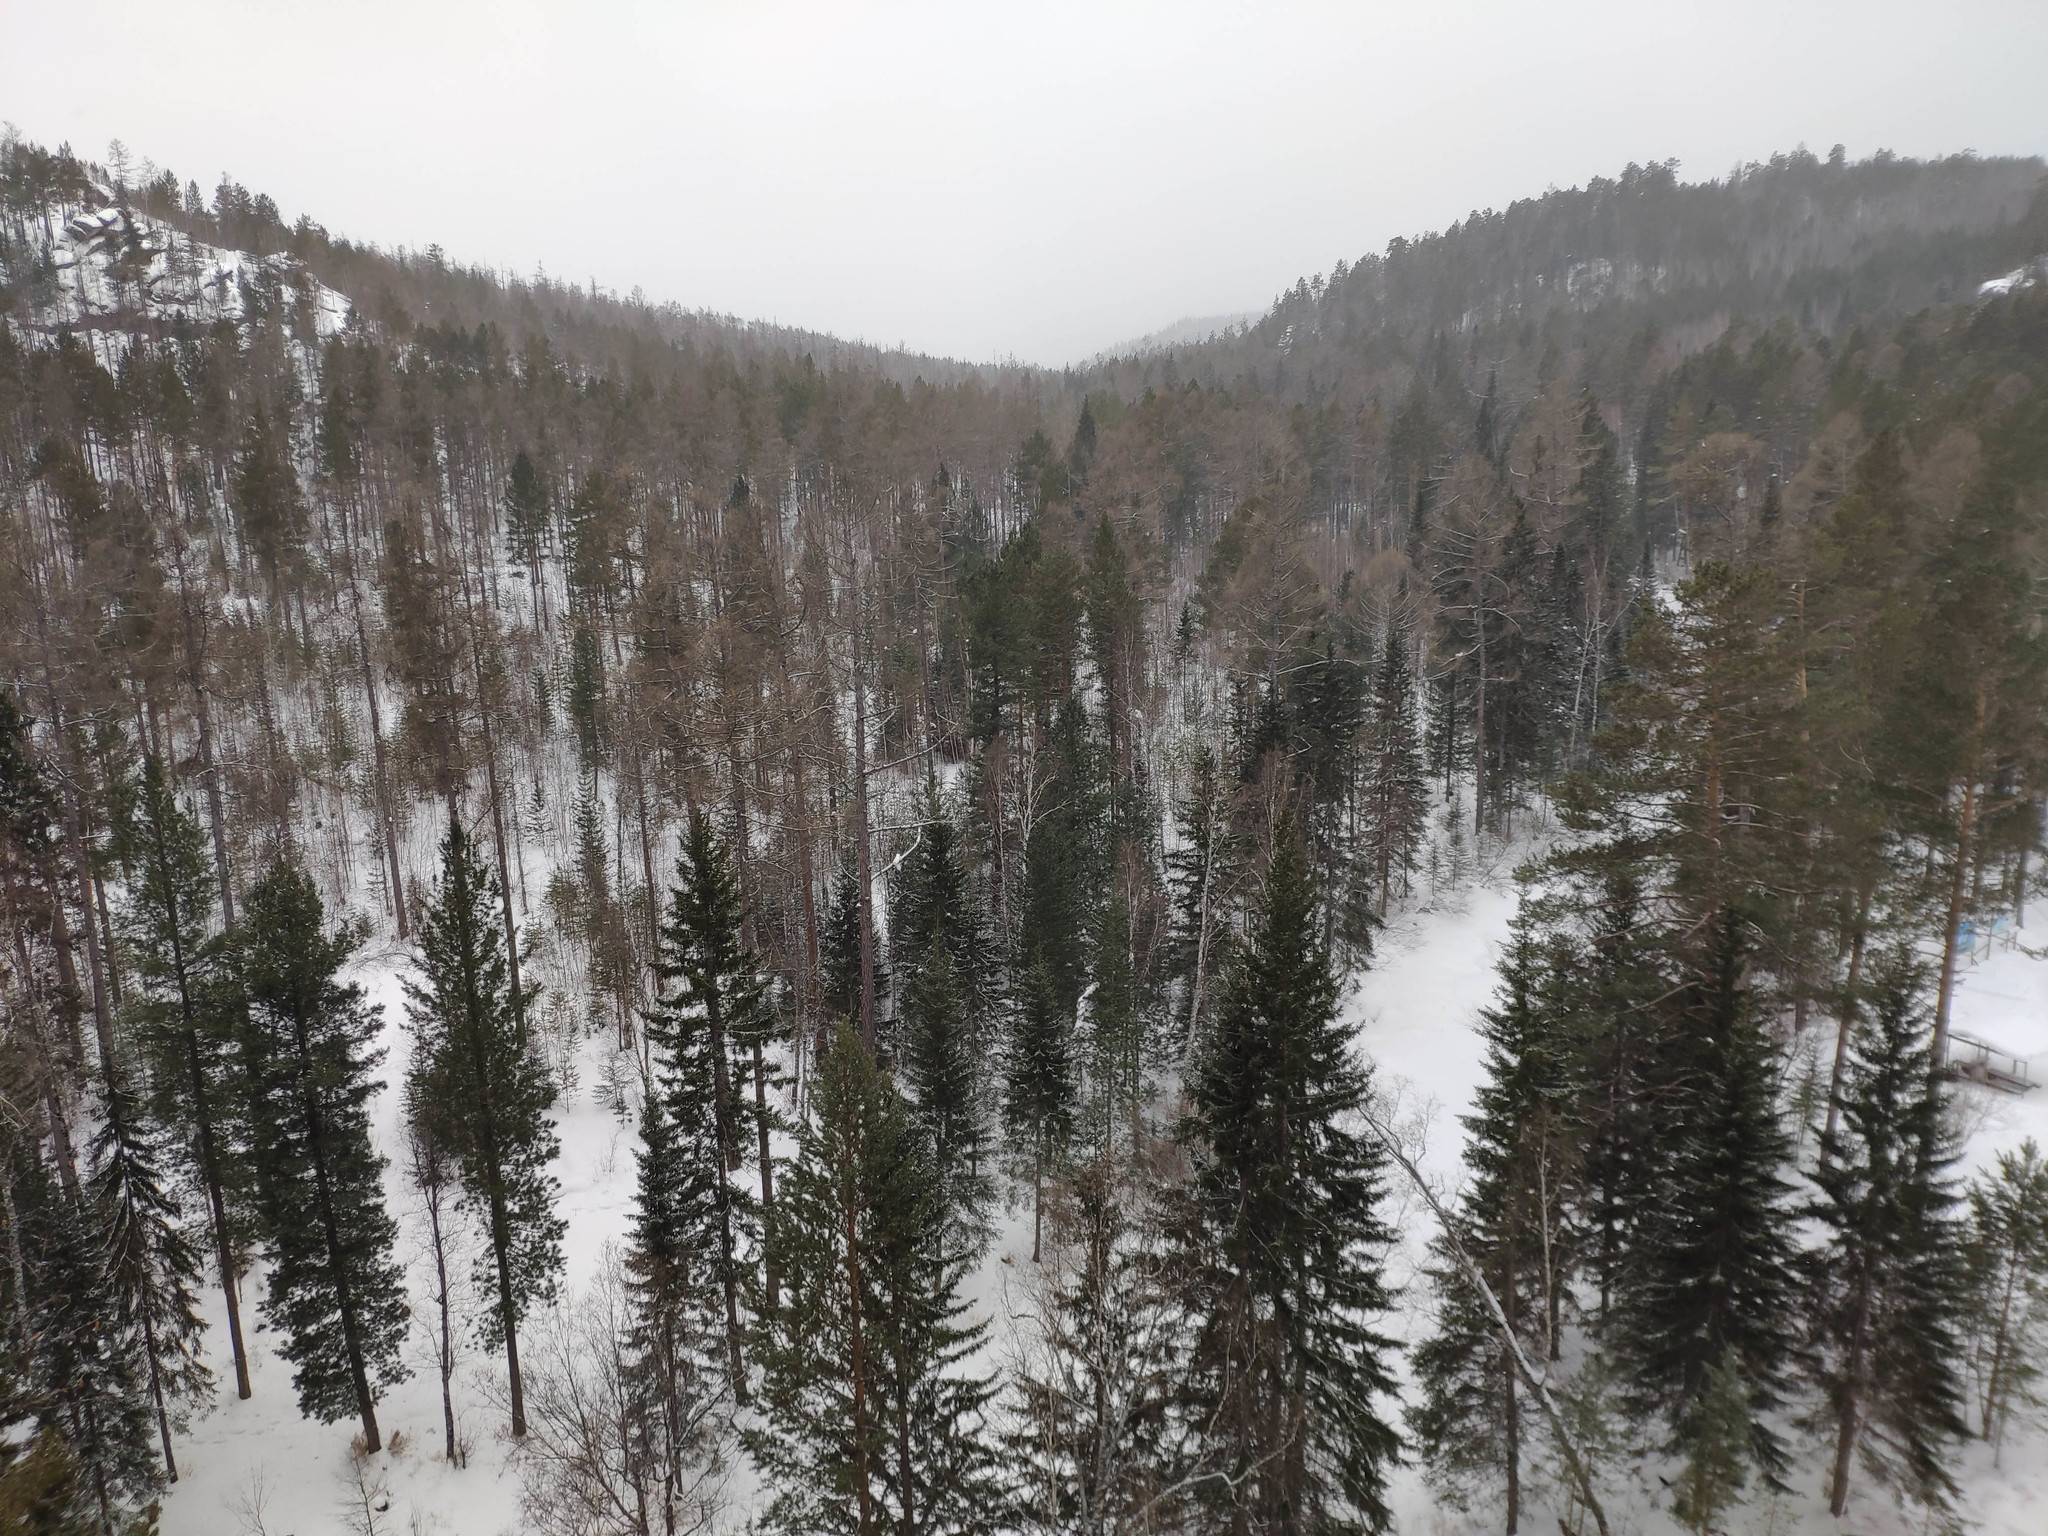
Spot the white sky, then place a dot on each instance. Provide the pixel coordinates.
(1035, 180)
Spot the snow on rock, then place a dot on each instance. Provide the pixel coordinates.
(116, 265)
(2013, 281)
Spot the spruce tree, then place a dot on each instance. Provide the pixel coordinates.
(1115, 1032)
(718, 991)
(931, 899)
(1038, 1090)
(1395, 797)
(2008, 1318)
(868, 1422)
(940, 1067)
(1889, 1283)
(1521, 1148)
(180, 1003)
(676, 1341)
(151, 1268)
(309, 1046)
(1281, 1244)
(487, 1091)
(526, 516)
(839, 945)
(1093, 1426)
(85, 1382)
(1196, 871)
(1710, 1284)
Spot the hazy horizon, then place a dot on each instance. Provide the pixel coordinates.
(1032, 186)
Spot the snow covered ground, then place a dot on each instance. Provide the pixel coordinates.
(257, 1467)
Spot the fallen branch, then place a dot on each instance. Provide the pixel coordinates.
(1575, 1461)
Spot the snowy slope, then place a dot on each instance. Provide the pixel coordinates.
(116, 267)
(1414, 1014)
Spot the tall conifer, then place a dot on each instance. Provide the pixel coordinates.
(1889, 1281)
(488, 1092)
(180, 1002)
(1282, 1241)
(335, 1294)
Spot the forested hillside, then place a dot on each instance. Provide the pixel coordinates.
(934, 821)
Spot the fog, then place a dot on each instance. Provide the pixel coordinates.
(1032, 181)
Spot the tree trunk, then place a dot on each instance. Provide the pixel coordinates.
(1845, 1027)
(1479, 732)
(344, 1303)
(1966, 826)
(861, 853)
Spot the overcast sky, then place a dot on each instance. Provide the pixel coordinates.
(1031, 180)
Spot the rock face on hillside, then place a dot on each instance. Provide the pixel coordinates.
(109, 267)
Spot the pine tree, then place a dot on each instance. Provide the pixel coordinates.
(1521, 1148)
(1889, 1282)
(308, 1049)
(1281, 1245)
(868, 1421)
(487, 1091)
(151, 1269)
(266, 495)
(180, 1003)
(1710, 1285)
(718, 992)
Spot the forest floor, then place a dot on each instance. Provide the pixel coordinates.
(258, 1468)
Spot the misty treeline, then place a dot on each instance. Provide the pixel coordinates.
(929, 808)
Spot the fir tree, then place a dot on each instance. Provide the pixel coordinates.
(1889, 1283)
(179, 1001)
(334, 1293)
(487, 1091)
(526, 516)
(868, 1422)
(1617, 979)
(1718, 1448)
(1063, 864)
(1281, 1245)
